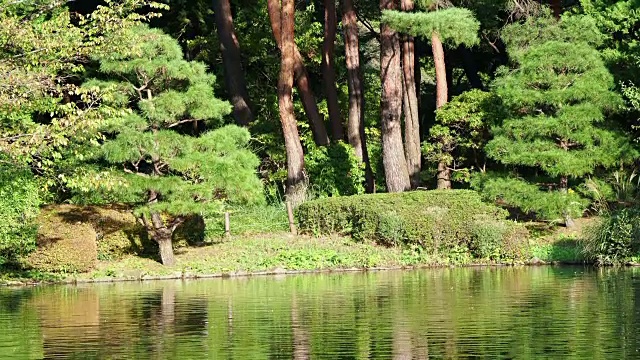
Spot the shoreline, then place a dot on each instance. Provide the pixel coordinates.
(274, 272)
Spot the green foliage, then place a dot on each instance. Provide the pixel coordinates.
(334, 170)
(19, 202)
(441, 222)
(42, 54)
(563, 250)
(461, 129)
(531, 199)
(615, 239)
(455, 26)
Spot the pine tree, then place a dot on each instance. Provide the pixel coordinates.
(395, 164)
(558, 92)
(163, 158)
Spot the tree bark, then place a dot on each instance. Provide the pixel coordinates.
(410, 105)
(556, 7)
(393, 159)
(301, 78)
(564, 188)
(444, 173)
(295, 156)
(162, 235)
(355, 124)
(233, 73)
(328, 70)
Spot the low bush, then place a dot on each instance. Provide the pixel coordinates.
(117, 231)
(442, 222)
(64, 245)
(615, 239)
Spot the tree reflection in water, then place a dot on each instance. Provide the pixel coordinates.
(452, 313)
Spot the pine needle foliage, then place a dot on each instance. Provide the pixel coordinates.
(455, 26)
(558, 93)
(163, 155)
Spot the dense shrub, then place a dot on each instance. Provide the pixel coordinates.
(64, 244)
(334, 170)
(19, 203)
(438, 221)
(615, 239)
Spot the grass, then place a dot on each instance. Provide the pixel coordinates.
(267, 253)
(559, 244)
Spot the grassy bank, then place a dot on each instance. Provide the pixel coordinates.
(243, 255)
(280, 253)
(361, 232)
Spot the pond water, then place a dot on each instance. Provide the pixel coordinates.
(510, 313)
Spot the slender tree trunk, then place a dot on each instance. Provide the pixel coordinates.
(295, 157)
(355, 125)
(564, 188)
(162, 235)
(410, 105)
(301, 78)
(442, 91)
(328, 70)
(444, 173)
(233, 73)
(394, 161)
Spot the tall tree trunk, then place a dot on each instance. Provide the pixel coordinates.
(328, 70)
(556, 7)
(395, 164)
(355, 125)
(444, 173)
(301, 78)
(233, 73)
(295, 157)
(410, 105)
(162, 235)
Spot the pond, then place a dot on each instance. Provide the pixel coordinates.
(510, 313)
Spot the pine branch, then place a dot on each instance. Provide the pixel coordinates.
(181, 122)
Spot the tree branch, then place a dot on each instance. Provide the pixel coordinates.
(368, 25)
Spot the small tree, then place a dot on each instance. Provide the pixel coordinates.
(164, 159)
(557, 92)
(461, 131)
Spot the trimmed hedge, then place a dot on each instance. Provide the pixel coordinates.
(438, 221)
(64, 245)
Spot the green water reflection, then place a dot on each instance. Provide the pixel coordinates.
(522, 313)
